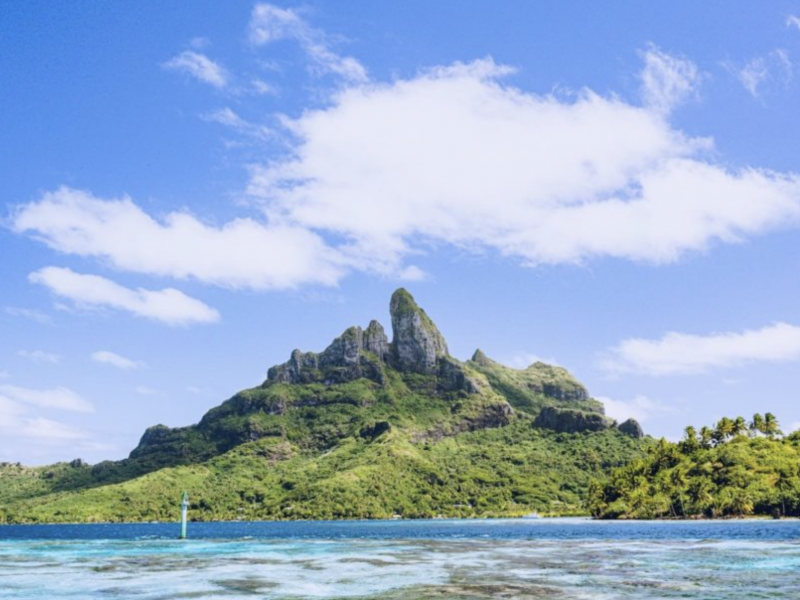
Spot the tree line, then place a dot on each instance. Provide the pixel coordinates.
(734, 468)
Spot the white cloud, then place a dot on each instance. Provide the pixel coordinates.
(28, 313)
(226, 116)
(640, 408)
(667, 81)
(10, 412)
(752, 75)
(111, 358)
(168, 305)
(262, 88)
(241, 253)
(269, 23)
(762, 73)
(60, 398)
(39, 356)
(523, 360)
(47, 430)
(200, 67)
(793, 21)
(198, 43)
(412, 273)
(453, 155)
(681, 353)
(23, 433)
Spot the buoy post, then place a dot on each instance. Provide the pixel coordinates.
(184, 509)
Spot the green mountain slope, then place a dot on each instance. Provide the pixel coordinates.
(364, 429)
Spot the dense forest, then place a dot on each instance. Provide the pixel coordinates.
(736, 468)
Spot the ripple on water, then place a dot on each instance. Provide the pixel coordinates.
(568, 566)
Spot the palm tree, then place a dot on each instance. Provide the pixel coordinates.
(784, 482)
(690, 442)
(706, 435)
(741, 503)
(756, 425)
(771, 427)
(700, 492)
(739, 426)
(678, 481)
(723, 430)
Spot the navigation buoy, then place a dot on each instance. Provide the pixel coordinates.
(184, 509)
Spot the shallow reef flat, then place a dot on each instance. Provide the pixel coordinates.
(594, 562)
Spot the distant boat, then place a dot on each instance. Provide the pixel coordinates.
(533, 515)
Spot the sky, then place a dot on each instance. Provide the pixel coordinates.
(189, 193)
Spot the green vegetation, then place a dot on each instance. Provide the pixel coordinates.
(349, 450)
(535, 387)
(733, 469)
(508, 471)
(364, 429)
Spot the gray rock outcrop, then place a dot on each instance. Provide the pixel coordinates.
(417, 343)
(632, 428)
(417, 347)
(567, 420)
(375, 340)
(354, 354)
(453, 377)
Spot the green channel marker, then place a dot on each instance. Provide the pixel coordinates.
(184, 509)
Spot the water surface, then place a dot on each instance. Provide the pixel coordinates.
(560, 558)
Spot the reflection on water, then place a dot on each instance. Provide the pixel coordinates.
(589, 566)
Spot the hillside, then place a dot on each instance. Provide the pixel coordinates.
(367, 428)
(730, 470)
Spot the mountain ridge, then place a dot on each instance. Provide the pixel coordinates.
(361, 393)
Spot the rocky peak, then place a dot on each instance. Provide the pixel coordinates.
(417, 344)
(480, 358)
(632, 428)
(356, 353)
(375, 340)
(345, 350)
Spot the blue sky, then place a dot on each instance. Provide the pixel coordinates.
(190, 193)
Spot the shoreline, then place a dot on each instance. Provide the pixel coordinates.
(547, 519)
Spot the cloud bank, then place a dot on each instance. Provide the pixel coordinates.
(168, 305)
(240, 254)
(641, 408)
(681, 353)
(451, 156)
(60, 398)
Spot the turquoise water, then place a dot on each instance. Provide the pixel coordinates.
(560, 558)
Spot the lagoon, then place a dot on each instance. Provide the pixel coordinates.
(443, 559)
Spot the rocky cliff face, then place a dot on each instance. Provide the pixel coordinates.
(354, 354)
(417, 344)
(632, 428)
(417, 347)
(567, 420)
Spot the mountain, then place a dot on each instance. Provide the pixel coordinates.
(367, 428)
